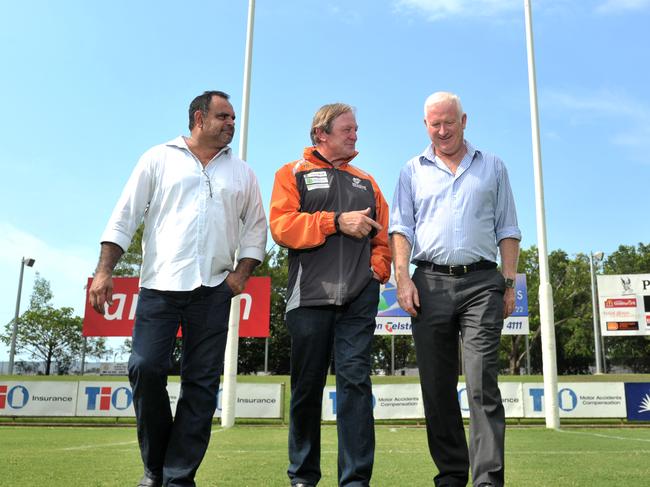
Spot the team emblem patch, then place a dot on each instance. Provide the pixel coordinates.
(356, 182)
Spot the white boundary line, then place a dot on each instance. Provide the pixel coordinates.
(98, 445)
(601, 435)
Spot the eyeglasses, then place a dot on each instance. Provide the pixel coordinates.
(207, 181)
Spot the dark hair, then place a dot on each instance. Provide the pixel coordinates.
(202, 102)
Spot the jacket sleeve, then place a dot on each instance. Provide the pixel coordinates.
(380, 256)
(290, 227)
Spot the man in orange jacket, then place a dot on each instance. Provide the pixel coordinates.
(332, 217)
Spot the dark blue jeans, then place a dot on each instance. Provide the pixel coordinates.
(172, 448)
(315, 331)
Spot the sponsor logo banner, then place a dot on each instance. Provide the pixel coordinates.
(404, 401)
(510, 395)
(116, 399)
(578, 400)
(624, 304)
(637, 400)
(105, 398)
(392, 326)
(38, 398)
(118, 320)
(256, 401)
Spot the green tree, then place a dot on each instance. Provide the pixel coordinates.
(131, 260)
(512, 351)
(49, 334)
(632, 351)
(570, 282)
(251, 350)
(381, 353)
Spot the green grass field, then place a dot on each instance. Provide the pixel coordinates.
(256, 456)
(254, 452)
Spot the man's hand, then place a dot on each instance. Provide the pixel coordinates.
(407, 296)
(508, 302)
(236, 282)
(101, 291)
(237, 279)
(357, 224)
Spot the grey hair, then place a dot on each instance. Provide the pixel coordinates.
(325, 116)
(440, 97)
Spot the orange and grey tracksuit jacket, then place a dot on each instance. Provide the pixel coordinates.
(325, 266)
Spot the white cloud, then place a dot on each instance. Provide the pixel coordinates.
(440, 9)
(346, 14)
(434, 10)
(602, 103)
(622, 6)
(630, 118)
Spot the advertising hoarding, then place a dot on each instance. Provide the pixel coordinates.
(624, 304)
(118, 318)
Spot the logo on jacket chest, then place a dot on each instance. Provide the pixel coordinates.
(356, 183)
(316, 180)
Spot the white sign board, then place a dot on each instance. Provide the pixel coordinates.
(510, 396)
(35, 398)
(116, 399)
(624, 304)
(578, 400)
(105, 398)
(404, 401)
(256, 400)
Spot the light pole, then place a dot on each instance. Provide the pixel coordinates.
(29, 262)
(594, 258)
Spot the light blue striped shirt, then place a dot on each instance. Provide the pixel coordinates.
(454, 219)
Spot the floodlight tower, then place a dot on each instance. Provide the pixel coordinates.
(29, 262)
(595, 258)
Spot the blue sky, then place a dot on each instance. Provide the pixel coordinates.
(88, 86)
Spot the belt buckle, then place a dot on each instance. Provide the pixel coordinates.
(457, 270)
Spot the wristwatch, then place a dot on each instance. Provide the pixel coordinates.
(336, 222)
(510, 283)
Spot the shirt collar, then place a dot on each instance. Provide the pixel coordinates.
(180, 143)
(429, 156)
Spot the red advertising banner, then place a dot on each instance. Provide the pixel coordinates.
(118, 318)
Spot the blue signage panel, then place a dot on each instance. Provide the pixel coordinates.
(637, 400)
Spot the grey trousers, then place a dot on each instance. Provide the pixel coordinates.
(471, 305)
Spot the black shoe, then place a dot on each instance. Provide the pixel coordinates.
(149, 482)
(302, 485)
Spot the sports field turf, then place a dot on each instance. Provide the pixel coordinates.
(256, 456)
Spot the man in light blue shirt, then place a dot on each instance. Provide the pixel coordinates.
(452, 208)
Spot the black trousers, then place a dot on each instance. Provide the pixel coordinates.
(471, 305)
(172, 448)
